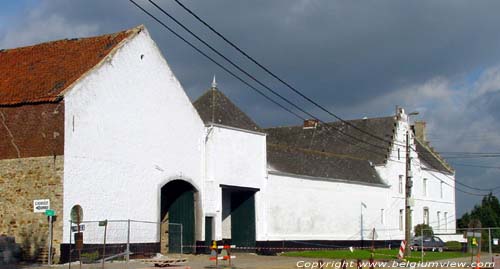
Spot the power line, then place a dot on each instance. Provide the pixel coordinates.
(276, 76)
(253, 78)
(215, 62)
(247, 74)
(478, 166)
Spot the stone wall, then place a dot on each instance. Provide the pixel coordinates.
(22, 181)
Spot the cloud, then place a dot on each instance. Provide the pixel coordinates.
(357, 58)
(40, 30)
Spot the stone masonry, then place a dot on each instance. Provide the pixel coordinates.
(23, 180)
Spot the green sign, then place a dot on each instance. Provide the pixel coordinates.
(103, 223)
(50, 212)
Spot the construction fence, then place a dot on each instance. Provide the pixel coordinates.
(121, 240)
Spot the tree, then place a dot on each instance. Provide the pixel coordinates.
(427, 230)
(488, 213)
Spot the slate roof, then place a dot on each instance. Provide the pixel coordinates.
(214, 107)
(431, 157)
(328, 151)
(292, 160)
(41, 73)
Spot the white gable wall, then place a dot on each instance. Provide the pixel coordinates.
(396, 166)
(129, 129)
(234, 157)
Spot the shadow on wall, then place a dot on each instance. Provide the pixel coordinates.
(32, 241)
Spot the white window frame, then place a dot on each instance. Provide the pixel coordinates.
(441, 189)
(445, 221)
(426, 215)
(401, 216)
(382, 216)
(401, 184)
(424, 186)
(439, 220)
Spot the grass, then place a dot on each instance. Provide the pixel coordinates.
(380, 254)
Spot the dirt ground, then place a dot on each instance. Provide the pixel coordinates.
(242, 261)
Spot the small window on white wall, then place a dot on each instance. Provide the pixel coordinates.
(382, 217)
(439, 219)
(441, 188)
(400, 183)
(424, 187)
(401, 219)
(426, 215)
(445, 221)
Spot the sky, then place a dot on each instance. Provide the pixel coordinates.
(357, 58)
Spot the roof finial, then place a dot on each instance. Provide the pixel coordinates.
(214, 83)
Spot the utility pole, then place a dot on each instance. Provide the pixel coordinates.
(408, 186)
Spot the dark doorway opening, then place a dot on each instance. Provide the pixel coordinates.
(238, 212)
(209, 232)
(177, 217)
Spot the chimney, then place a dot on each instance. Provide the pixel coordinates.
(419, 127)
(310, 124)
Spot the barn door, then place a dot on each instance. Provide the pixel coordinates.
(181, 211)
(243, 218)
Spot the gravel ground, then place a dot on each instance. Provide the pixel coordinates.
(242, 261)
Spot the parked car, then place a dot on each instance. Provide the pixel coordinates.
(432, 243)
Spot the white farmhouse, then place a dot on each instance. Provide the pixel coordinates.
(103, 123)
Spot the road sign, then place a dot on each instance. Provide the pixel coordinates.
(39, 206)
(50, 213)
(76, 214)
(474, 234)
(103, 223)
(75, 228)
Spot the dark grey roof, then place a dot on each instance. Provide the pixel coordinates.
(332, 150)
(340, 138)
(296, 161)
(428, 155)
(214, 107)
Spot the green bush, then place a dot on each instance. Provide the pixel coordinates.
(90, 256)
(426, 229)
(453, 246)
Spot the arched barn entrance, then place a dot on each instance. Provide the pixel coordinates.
(178, 206)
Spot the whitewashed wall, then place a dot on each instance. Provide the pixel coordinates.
(238, 158)
(300, 208)
(395, 167)
(129, 129)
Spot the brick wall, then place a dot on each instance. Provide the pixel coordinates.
(32, 130)
(31, 167)
(22, 181)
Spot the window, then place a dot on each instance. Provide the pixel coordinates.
(441, 188)
(399, 154)
(382, 217)
(426, 215)
(401, 184)
(424, 187)
(439, 220)
(446, 221)
(401, 219)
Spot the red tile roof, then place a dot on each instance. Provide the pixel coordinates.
(41, 73)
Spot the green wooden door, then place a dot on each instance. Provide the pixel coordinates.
(243, 219)
(181, 211)
(208, 232)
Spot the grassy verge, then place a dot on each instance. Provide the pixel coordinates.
(380, 254)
